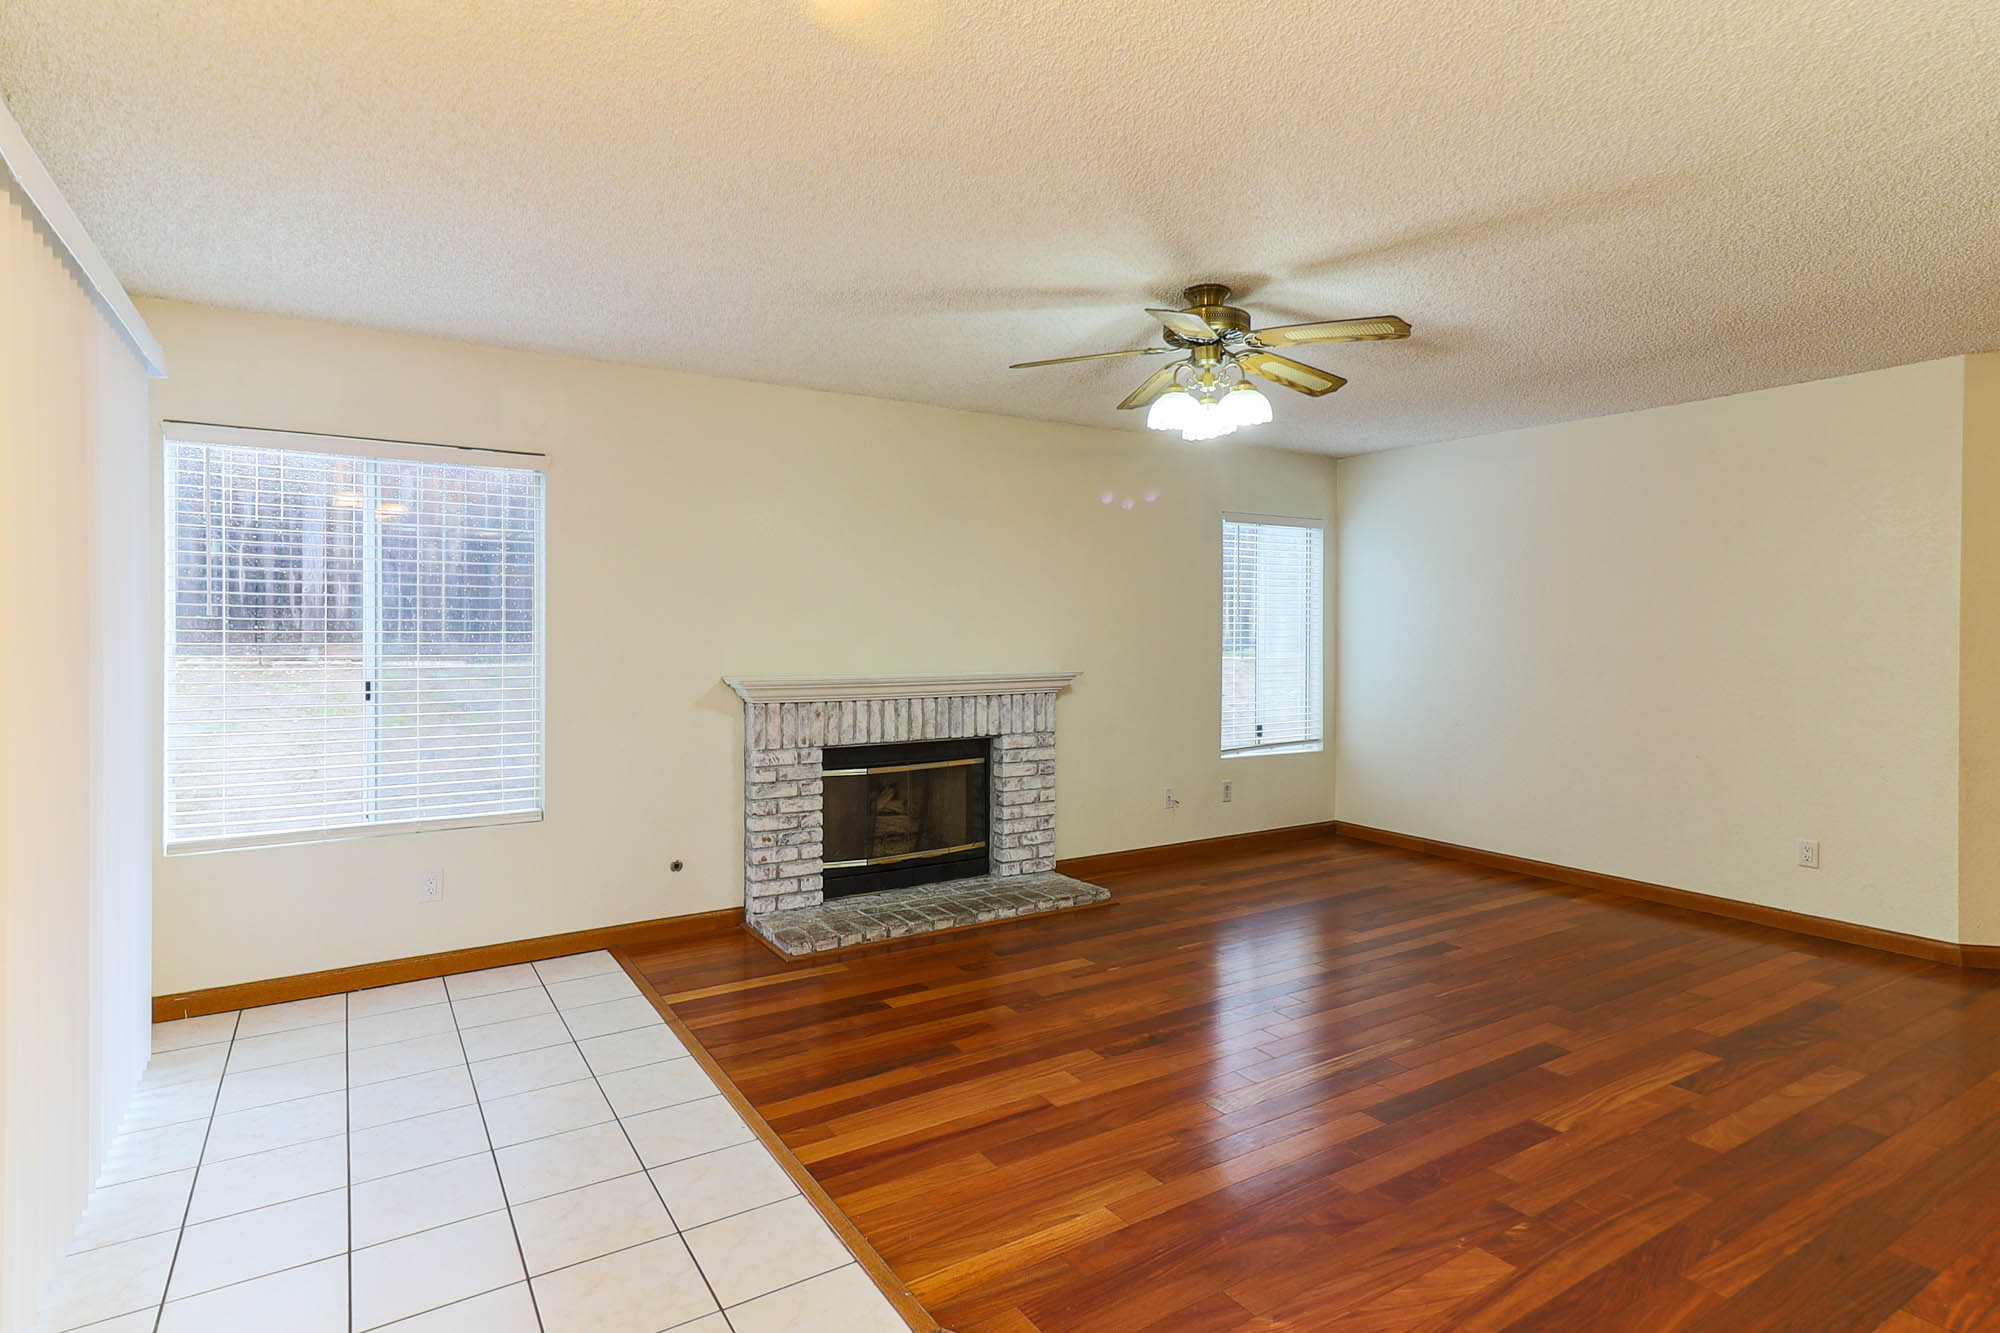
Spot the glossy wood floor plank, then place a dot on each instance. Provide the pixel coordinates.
(1339, 1086)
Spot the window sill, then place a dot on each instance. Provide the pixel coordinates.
(348, 833)
(1257, 752)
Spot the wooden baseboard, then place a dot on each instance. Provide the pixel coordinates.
(884, 1277)
(334, 981)
(1799, 923)
(1201, 849)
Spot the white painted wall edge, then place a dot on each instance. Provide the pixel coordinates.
(25, 166)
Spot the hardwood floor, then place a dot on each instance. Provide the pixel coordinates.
(1340, 1086)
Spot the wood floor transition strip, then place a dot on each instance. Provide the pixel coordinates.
(892, 1288)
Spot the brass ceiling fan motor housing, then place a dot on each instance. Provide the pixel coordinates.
(1209, 302)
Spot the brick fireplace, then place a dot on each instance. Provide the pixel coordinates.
(788, 726)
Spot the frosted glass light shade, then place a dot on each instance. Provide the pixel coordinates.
(1245, 406)
(1172, 410)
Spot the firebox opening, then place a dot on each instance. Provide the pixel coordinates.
(910, 813)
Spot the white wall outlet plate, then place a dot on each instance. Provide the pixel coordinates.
(1171, 801)
(430, 887)
(1809, 853)
(1228, 790)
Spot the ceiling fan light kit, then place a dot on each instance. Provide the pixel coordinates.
(1207, 412)
(1208, 394)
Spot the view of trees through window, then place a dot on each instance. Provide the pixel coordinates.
(352, 640)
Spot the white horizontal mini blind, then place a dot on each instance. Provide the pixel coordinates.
(354, 638)
(1273, 595)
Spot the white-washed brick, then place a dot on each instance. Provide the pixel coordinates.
(784, 820)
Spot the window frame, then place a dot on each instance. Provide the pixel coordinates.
(1317, 676)
(174, 432)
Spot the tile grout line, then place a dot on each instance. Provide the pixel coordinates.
(619, 1120)
(401, 1120)
(381, 1045)
(433, 1309)
(219, 1217)
(527, 1279)
(537, 984)
(194, 1181)
(237, 1282)
(409, 1170)
(852, 1262)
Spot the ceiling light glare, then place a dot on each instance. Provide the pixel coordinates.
(1172, 410)
(1208, 422)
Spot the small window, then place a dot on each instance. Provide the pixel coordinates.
(1273, 600)
(354, 637)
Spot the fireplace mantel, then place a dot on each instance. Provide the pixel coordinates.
(829, 689)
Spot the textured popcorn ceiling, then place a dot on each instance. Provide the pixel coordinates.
(1583, 207)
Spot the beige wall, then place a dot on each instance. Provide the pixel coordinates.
(1979, 659)
(75, 709)
(702, 527)
(1667, 645)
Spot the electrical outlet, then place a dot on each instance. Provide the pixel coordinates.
(1809, 853)
(430, 887)
(1171, 802)
(1228, 791)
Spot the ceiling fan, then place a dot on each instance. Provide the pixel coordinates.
(1208, 393)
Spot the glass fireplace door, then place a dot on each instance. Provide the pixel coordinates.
(904, 814)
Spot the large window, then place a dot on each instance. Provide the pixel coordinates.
(1273, 599)
(354, 636)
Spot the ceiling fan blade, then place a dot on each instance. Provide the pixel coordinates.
(1333, 331)
(1309, 380)
(1156, 384)
(1091, 356)
(1192, 327)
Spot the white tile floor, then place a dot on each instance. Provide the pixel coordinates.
(528, 1148)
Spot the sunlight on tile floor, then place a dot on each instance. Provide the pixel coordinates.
(526, 1148)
